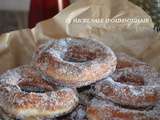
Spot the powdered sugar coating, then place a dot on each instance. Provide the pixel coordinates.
(21, 104)
(128, 95)
(26, 76)
(149, 74)
(75, 62)
(10, 77)
(134, 83)
(134, 66)
(106, 110)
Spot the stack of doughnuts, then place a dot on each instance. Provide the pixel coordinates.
(130, 93)
(80, 79)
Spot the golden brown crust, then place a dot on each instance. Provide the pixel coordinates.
(76, 62)
(134, 85)
(105, 110)
(127, 95)
(130, 94)
(50, 103)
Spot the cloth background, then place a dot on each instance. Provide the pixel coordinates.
(136, 39)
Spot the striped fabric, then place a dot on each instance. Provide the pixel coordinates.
(152, 7)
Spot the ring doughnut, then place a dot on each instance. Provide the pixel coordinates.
(126, 61)
(75, 62)
(135, 87)
(106, 110)
(48, 103)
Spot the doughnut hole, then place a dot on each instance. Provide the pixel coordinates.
(35, 86)
(131, 79)
(80, 54)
